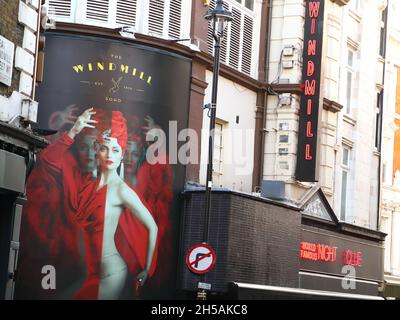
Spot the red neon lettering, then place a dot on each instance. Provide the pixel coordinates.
(310, 68)
(352, 258)
(309, 130)
(313, 26)
(321, 252)
(308, 246)
(317, 252)
(310, 88)
(308, 152)
(326, 253)
(309, 107)
(312, 47)
(347, 257)
(359, 259)
(313, 8)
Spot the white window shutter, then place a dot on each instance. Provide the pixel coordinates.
(224, 40)
(126, 12)
(60, 9)
(234, 51)
(97, 10)
(210, 38)
(247, 44)
(237, 44)
(174, 23)
(156, 16)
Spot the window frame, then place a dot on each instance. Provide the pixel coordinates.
(378, 121)
(345, 170)
(218, 162)
(383, 32)
(243, 4)
(351, 70)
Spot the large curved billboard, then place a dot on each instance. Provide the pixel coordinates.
(101, 218)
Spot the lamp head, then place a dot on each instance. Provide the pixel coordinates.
(219, 16)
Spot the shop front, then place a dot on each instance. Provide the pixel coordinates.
(18, 148)
(336, 256)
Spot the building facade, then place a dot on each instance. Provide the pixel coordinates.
(390, 166)
(20, 24)
(324, 120)
(297, 153)
(348, 147)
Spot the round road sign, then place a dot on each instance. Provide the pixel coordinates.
(200, 258)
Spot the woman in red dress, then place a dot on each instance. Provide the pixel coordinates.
(119, 231)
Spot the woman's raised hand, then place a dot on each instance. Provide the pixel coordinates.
(82, 122)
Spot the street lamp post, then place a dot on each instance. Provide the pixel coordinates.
(219, 18)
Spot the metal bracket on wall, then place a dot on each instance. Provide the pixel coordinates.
(209, 106)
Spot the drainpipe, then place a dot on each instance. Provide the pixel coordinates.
(381, 119)
(268, 50)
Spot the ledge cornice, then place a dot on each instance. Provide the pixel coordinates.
(341, 2)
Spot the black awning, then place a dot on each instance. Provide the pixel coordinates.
(246, 291)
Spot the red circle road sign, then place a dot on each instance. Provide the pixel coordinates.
(200, 258)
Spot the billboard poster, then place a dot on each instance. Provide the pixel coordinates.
(101, 217)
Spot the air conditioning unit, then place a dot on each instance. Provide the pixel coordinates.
(285, 99)
(283, 81)
(288, 64)
(288, 51)
(283, 151)
(272, 189)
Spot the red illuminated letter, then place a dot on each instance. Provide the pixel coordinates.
(347, 257)
(308, 152)
(309, 130)
(334, 254)
(314, 9)
(309, 107)
(312, 26)
(310, 68)
(310, 88)
(359, 259)
(312, 47)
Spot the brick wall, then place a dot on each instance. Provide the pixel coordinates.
(10, 29)
(255, 241)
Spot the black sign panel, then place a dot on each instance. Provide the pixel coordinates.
(309, 107)
(101, 221)
(326, 252)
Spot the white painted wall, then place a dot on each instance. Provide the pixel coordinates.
(233, 100)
